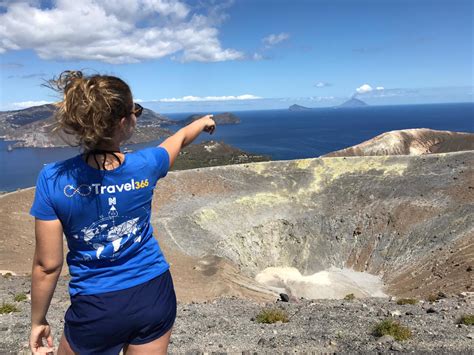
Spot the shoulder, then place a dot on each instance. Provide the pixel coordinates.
(60, 167)
(153, 152)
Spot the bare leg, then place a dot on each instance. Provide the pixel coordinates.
(155, 347)
(64, 348)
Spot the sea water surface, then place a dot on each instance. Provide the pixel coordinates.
(282, 134)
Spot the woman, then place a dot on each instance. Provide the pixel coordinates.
(122, 294)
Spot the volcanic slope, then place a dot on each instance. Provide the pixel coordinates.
(415, 141)
(407, 219)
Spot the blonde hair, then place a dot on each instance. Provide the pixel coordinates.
(92, 106)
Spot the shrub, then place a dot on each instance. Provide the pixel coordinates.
(20, 297)
(393, 328)
(466, 319)
(7, 275)
(432, 298)
(349, 297)
(272, 315)
(403, 301)
(8, 308)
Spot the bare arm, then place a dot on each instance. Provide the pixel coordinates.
(47, 265)
(186, 135)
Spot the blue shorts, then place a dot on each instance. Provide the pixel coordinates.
(103, 323)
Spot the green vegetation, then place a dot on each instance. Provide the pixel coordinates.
(403, 301)
(393, 328)
(8, 308)
(7, 275)
(349, 297)
(20, 297)
(436, 296)
(433, 298)
(466, 319)
(272, 315)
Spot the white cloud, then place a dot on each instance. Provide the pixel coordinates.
(322, 84)
(379, 88)
(209, 98)
(112, 31)
(273, 39)
(321, 98)
(26, 104)
(364, 89)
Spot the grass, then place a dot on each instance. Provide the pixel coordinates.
(8, 308)
(466, 319)
(393, 328)
(403, 301)
(349, 297)
(272, 315)
(20, 297)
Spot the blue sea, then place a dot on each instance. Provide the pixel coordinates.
(282, 134)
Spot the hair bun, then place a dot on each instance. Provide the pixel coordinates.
(67, 78)
(91, 107)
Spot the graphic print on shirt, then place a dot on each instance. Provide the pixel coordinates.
(110, 235)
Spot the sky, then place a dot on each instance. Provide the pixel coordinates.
(210, 56)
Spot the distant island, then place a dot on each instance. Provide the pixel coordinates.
(353, 102)
(298, 108)
(220, 119)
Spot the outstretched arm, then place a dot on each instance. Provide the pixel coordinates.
(186, 135)
(47, 265)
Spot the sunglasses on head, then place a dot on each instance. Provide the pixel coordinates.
(138, 110)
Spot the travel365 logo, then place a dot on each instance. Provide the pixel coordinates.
(99, 189)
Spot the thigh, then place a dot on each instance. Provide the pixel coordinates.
(64, 348)
(93, 324)
(157, 311)
(157, 346)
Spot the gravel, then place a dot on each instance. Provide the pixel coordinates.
(227, 325)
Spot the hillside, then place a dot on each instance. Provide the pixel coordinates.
(32, 127)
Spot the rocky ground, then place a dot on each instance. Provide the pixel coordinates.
(227, 325)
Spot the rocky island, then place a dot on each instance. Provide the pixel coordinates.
(225, 118)
(297, 108)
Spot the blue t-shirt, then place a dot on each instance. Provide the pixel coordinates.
(105, 216)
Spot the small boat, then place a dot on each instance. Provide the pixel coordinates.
(9, 148)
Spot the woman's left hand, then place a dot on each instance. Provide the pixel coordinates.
(38, 332)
